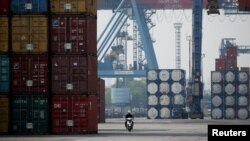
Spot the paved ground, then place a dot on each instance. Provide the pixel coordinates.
(144, 130)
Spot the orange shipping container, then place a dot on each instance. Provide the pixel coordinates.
(4, 34)
(29, 34)
(4, 112)
(73, 6)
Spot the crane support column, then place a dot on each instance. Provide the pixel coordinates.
(197, 86)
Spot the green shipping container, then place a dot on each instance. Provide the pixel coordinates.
(29, 115)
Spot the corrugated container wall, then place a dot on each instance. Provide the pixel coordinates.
(232, 52)
(220, 64)
(30, 74)
(70, 114)
(4, 34)
(73, 34)
(4, 74)
(101, 99)
(4, 7)
(30, 115)
(74, 74)
(29, 34)
(4, 112)
(244, 5)
(73, 6)
(29, 6)
(93, 114)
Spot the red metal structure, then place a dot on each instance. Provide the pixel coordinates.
(4, 7)
(244, 5)
(151, 4)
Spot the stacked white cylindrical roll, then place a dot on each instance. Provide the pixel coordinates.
(230, 94)
(165, 90)
(217, 95)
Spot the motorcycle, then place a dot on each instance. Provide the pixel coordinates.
(129, 123)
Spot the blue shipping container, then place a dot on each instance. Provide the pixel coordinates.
(29, 6)
(4, 74)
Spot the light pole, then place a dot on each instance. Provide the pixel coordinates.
(189, 39)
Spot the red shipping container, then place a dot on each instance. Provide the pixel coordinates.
(74, 114)
(244, 5)
(232, 64)
(232, 52)
(101, 100)
(4, 7)
(74, 74)
(73, 34)
(220, 64)
(29, 74)
(93, 114)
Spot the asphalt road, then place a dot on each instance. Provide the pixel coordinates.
(144, 130)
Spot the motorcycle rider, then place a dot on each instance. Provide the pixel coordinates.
(129, 115)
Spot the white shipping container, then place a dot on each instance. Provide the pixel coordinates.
(216, 77)
(152, 113)
(229, 89)
(242, 101)
(216, 89)
(152, 75)
(178, 99)
(230, 113)
(176, 88)
(152, 100)
(165, 113)
(164, 87)
(152, 88)
(216, 113)
(177, 75)
(164, 75)
(164, 100)
(230, 101)
(216, 101)
(242, 113)
(243, 89)
(243, 77)
(230, 77)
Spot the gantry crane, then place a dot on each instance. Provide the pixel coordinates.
(230, 42)
(144, 43)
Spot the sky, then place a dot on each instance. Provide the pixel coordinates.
(215, 27)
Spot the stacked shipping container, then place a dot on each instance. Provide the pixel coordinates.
(69, 56)
(29, 67)
(230, 94)
(73, 66)
(227, 62)
(166, 96)
(4, 7)
(217, 94)
(230, 88)
(4, 66)
(243, 95)
(229, 100)
(101, 100)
